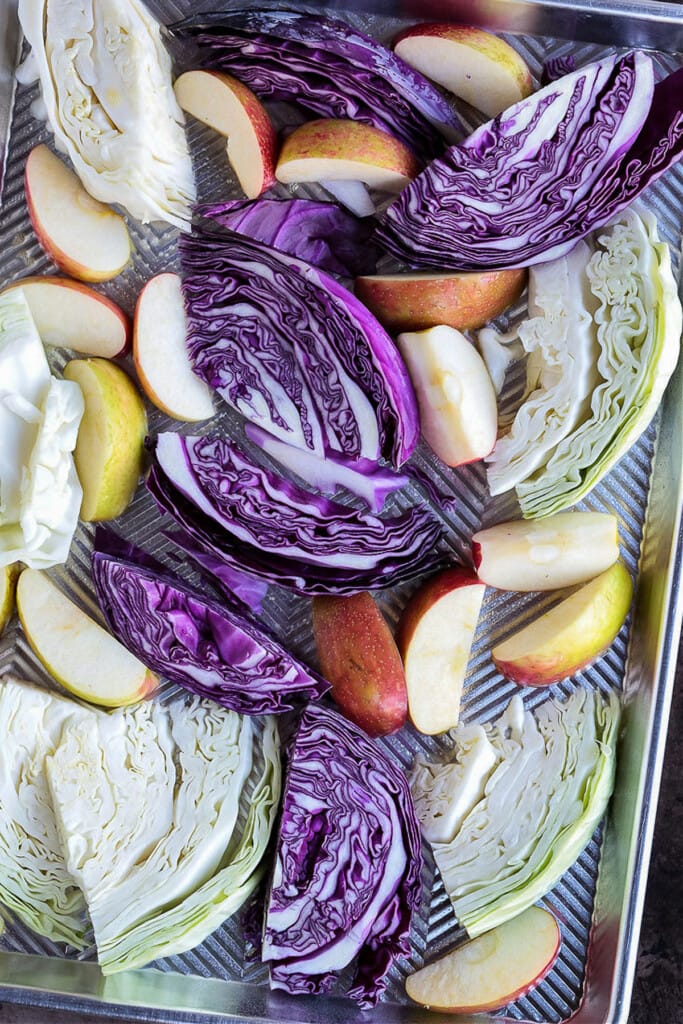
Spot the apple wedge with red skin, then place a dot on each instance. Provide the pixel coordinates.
(414, 302)
(231, 109)
(69, 314)
(85, 238)
(359, 658)
(493, 970)
(559, 551)
(336, 149)
(434, 636)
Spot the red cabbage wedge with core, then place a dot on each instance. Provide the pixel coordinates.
(525, 187)
(347, 870)
(250, 518)
(280, 54)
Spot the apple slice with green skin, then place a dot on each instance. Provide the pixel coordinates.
(479, 67)
(82, 656)
(414, 302)
(332, 149)
(359, 658)
(160, 352)
(69, 314)
(493, 970)
(8, 585)
(546, 554)
(434, 637)
(109, 448)
(85, 238)
(570, 636)
(455, 395)
(231, 108)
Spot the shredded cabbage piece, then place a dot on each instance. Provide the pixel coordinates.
(106, 85)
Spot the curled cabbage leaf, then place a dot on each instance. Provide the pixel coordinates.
(542, 800)
(106, 84)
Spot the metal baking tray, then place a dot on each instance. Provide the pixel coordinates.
(599, 901)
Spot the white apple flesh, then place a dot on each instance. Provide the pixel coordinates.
(160, 352)
(546, 554)
(571, 635)
(493, 970)
(69, 314)
(85, 238)
(479, 67)
(231, 108)
(455, 395)
(434, 636)
(82, 656)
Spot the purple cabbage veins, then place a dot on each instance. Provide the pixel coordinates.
(346, 879)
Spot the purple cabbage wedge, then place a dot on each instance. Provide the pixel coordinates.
(326, 66)
(205, 646)
(319, 233)
(525, 187)
(294, 351)
(347, 871)
(250, 518)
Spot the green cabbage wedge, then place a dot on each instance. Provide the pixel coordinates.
(537, 810)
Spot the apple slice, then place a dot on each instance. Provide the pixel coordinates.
(475, 65)
(455, 396)
(414, 302)
(546, 554)
(434, 637)
(160, 352)
(109, 449)
(231, 108)
(85, 238)
(8, 586)
(491, 971)
(571, 635)
(82, 656)
(68, 314)
(332, 149)
(359, 658)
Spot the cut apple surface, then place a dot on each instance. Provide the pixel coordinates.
(414, 302)
(69, 314)
(479, 67)
(85, 238)
(546, 554)
(109, 449)
(434, 637)
(491, 971)
(332, 149)
(231, 108)
(359, 658)
(82, 656)
(571, 635)
(8, 585)
(160, 352)
(455, 395)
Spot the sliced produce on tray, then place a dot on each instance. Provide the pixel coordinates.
(346, 880)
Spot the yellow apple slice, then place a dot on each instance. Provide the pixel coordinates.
(109, 449)
(85, 238)
(231, 108)
(160, 352)
(69, 314)
(8, 585)
(434, 637)
(332, 149)
(455, 396)
(546, 554)
(492, 970)
(82, 656)
(414, 302)
(571, 635)
(479, 67)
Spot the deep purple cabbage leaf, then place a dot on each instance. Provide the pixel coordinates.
(326, 66)
(526, 186)
(346, 879)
